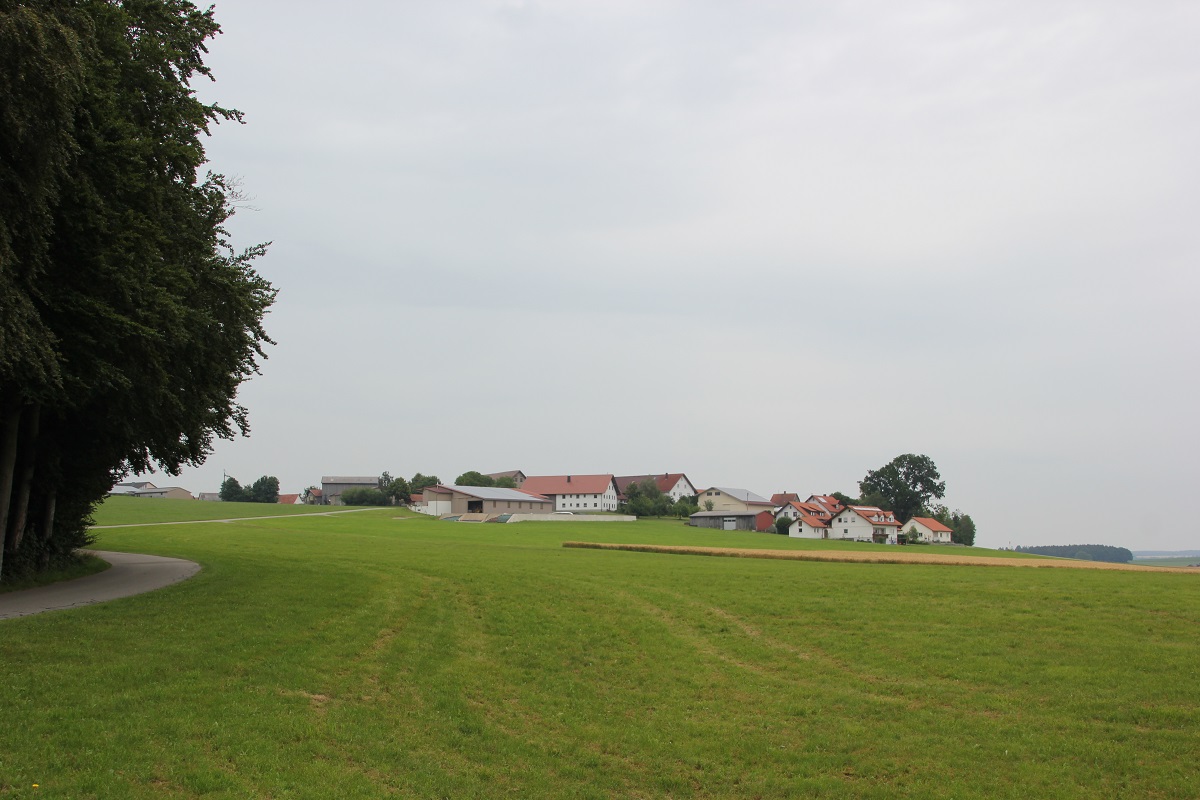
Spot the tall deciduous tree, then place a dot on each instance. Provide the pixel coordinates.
(904, 485)
(473, 478)
(128, 321)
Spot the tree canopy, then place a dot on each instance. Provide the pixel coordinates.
(127, 320)
(904, 485)
(473, 478)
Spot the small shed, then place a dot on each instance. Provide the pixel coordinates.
(724, 520)
(764, 522)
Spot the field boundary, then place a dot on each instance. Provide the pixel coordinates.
(874, 557)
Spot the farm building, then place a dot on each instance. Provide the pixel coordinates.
(441, 500)
(576, 493)
(724, 499)
(332, 487)
(725, 520)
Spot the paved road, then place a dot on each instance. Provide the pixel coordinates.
(130, 574)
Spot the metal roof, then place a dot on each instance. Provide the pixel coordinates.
(496, 493)
(744, 495)
(725, 514)
(368, 480)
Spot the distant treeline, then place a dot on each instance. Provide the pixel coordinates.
(1085, 552)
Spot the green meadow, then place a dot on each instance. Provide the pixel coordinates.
(378, 654)
(141, 510)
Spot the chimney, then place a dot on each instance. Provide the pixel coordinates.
(568, 479)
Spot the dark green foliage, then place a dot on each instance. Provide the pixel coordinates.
(420, 483)
(365, 496)
(264, 490)
(505, 482)
(473, 478)
(232, 491)
(845, 499)
(645, 499)
(782, 525)
(1084, 552)
(127, 321)
(686, 506)
(962, 527)
(395, 489)
(904, 485)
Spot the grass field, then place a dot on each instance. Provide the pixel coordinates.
(1181, 561)
(141, 510)
(369, 656)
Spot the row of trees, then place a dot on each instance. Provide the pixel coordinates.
(1085, 552)
(474, 478)
(127, 320)
(263, 490)
(389, 491)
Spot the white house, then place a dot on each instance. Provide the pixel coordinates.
(576, 493)
(927, 529)
(864, 524)
(809, 526)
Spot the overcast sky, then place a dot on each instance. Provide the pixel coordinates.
(771, 245)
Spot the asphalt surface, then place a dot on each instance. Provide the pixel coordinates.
(129, 574)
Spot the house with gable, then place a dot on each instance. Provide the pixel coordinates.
(831, 504)
(864, 524)
(577, 493)
(673, 484)
(927, 529)
(809, 526)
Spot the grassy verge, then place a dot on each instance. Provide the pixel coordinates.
(84, 565)
(367, 656)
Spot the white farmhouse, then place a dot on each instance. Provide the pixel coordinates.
(576, 493)
(864, 524)
(927, 529)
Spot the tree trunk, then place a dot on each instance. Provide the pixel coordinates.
(27, 462)
(10, 427)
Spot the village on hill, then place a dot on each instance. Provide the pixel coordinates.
(513, 496)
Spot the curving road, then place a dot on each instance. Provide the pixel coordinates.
(130, 574)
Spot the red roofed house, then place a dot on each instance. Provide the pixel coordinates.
(783, 498)
(830, 504)
(289, 499)
(809, 520)
(864, 524)
(927, 529)
(673, 484)
(577, 493)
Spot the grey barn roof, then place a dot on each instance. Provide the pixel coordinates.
(744, 495)
(371, 479)
(496, 493)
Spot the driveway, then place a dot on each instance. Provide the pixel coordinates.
(129, 574)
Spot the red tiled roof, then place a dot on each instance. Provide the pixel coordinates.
(932, 524)
(665, 481)
(783, 498)
(566, 484)
(869, 513)
(827, 502)
(288, 499)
